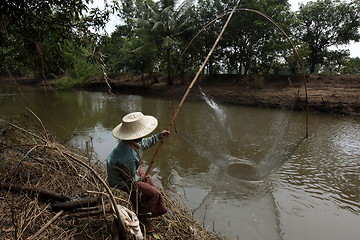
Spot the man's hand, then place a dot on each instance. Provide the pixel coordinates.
(165, 133)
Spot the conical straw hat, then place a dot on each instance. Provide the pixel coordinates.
(135, 125)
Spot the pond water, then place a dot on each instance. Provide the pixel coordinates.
(244, 172)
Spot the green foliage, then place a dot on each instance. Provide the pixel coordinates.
(292, 63)
(327, 23)
(127, 53)
(351, 66)
(162, 30)
(79, 69)
(250, 43)
(11, 60)
(151, 38)
(258, 43)
(30, 26)
(52, 38)
(35, 33)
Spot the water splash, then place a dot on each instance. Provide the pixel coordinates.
(219, 113)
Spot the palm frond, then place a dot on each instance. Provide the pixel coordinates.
(184, 6)
(140, 49)
(167, 42)
(151, 10)
(141, 22)
(157, 26)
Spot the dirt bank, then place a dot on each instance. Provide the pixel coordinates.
(333, 94)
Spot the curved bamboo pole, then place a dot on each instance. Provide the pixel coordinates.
(190, 87)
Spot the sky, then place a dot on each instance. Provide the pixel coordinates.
(353, 47)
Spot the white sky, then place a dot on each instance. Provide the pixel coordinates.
(353, 47)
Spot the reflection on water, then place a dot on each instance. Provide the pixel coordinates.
(313, 195)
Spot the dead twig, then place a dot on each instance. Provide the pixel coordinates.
(46, 225)
(105, 194)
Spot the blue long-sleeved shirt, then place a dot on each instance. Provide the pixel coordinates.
(124, 160)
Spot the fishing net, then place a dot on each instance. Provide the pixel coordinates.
(247, 143)
(250, 145)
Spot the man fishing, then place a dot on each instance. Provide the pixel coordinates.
(124, 165)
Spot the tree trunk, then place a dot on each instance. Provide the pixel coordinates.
(170, 81)
(312, 67)
(313, 59)
(247, 67)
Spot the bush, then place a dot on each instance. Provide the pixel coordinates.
(78, 69)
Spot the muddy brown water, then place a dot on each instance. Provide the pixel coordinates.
(309, 192)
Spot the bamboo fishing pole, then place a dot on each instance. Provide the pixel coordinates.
(190, 87)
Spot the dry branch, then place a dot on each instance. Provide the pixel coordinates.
(71, 205)
(45, 226)
(43, 194)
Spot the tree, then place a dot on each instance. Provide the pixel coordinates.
(127, 53)
(352, 66)
(38, 31)
(250, 43)
(207, 11)
(159, 25)
(324, 24)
